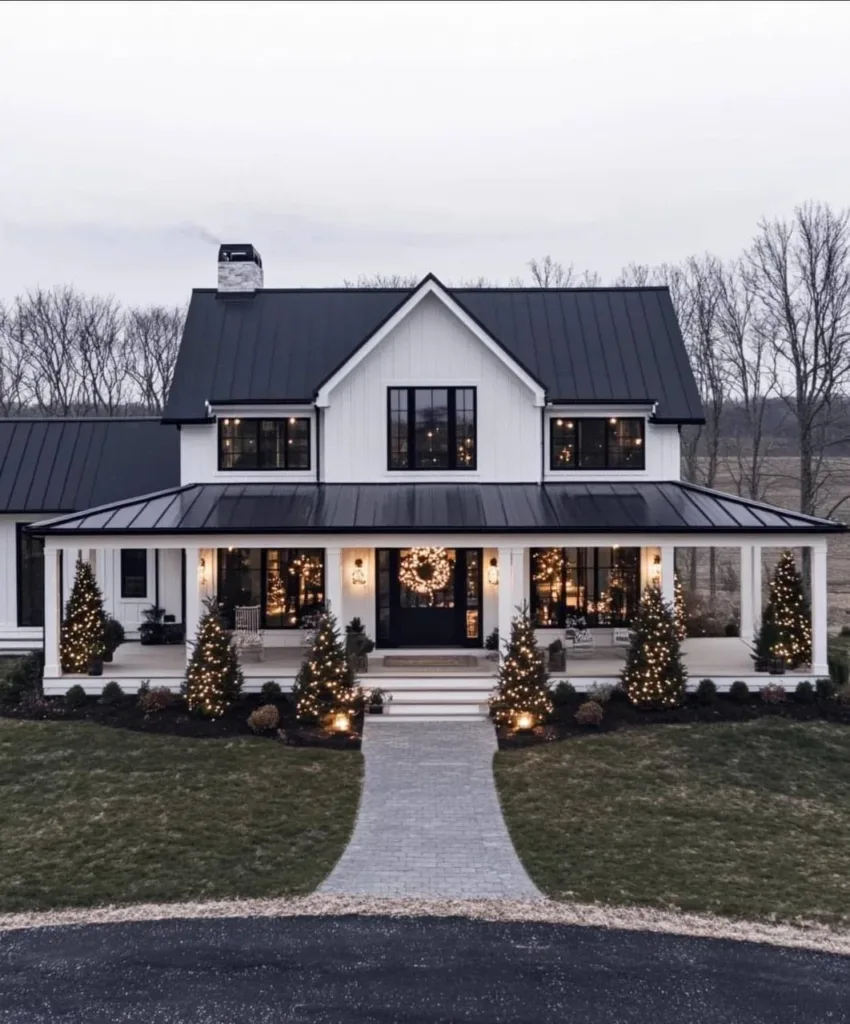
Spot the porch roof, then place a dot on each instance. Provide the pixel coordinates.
(616, 508)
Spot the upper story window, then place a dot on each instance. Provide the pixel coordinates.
(431, 428)
(248, 444)
(601, 443)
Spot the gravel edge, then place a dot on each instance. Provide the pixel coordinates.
(803, 936)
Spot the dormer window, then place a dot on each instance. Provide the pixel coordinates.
(264, 444)
(613, 442)
(431, 428)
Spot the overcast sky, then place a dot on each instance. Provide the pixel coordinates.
(461, 138)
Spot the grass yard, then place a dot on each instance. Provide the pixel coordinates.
(90, 815)
(746, 820)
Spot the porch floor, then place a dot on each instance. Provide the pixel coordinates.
(704, 657)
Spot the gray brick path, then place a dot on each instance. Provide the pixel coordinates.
(429, 822)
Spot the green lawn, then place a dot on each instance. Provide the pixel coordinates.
(748, 820)
(91, 815)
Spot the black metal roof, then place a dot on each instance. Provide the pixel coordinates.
(620, 508)
(63, 465)
(582, 344)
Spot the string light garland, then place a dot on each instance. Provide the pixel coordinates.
(425, 570)
(325, 686)
(679, 607)
(522, 692)
(654, 675)
(276, 594)
(309, 568)
(548, 568)
(82, 637)
(213, 677)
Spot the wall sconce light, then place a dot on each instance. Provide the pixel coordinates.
(656, 568)
(202, 574)
(358, 573)
(493, 573)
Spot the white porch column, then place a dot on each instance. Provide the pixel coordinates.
(511, 588)
(748, 620)
(193, 597)
(820, 666)
(333, 583)
(668, 569)
(52, 611)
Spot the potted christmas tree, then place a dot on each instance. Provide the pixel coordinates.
(654, 675)
(557, 656)
(792, 616)
(765, 640)
(82, 640)
(522, 699)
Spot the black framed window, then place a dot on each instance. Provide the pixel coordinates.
(431, 428)
(134, 572)
(30, 578)
(599, 585)
(287, 583)
(598, 443)
(247, 444)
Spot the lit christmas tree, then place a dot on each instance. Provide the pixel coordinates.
(276, 597)
(522, 693)
(82, 637)
(325, 684)
(792, 617)
(679, 606)
(213, 677)
(654, 674)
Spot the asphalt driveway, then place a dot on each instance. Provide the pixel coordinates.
(346, 969)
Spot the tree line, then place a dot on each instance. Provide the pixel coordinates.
(768, 333)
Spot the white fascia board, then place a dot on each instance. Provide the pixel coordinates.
(430, 287)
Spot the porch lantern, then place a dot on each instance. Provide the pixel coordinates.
(493, 573)
(656, 569)
(524, 721)
(358, 573)
(202, 572)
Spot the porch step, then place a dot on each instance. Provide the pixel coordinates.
(429, 717)
(430, 661)
(448, 703)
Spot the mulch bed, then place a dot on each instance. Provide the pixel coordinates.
(620, 714)
(177, 721)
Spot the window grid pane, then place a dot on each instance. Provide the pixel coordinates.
(267, 444)
(431, 428)
(431, 437)
(465, 428)
(600, 586)
(597, 443)
(399, 454)
(134, 572)
(562, 454)
(31, 579)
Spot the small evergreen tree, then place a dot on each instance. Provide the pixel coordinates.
(325, 682)
(82, 636)
(767, 635)
(213, 678)
(791, 613)
(680, 607)
(654, 674)
(523, 685)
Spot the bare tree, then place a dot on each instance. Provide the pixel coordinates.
(152, 339)
(800, 271)
(405, 281)
(547, 272)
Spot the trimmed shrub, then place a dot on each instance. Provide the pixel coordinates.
(706, 692)
(825, 688)
(492, 641)
(271, 691)
(739, 691)
(600, 693)
(563, 693)
(844, 631)
(773, 693)
(842, 695)
(590, 713)
(264, 718)
(157, 699)
(112, 693)
(76, 696)
(839, 666)
(731, 629)
(805, 693)
(23, 677)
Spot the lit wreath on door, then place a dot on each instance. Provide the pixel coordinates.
(425, 570)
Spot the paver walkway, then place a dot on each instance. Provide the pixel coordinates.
(429, 822)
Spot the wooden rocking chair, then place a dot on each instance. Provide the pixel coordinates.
(247, 635)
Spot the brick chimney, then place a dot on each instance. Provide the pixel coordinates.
(240, 268)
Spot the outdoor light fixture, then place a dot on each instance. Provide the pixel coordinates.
(493, 573)
(203, 572)
(341, 722)
(524, 721)
(656, 568)
(358, 573)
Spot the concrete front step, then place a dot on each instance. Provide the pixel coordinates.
(436, 706)
(430, 681)
(430, 715)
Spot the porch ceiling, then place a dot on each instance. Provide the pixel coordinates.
(616, 508)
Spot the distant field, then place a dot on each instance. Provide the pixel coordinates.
(783, 489)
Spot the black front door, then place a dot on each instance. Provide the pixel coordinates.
(416, 615)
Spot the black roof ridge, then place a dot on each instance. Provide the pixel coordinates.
(81, 419)
(401, 290)
(739, 499)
